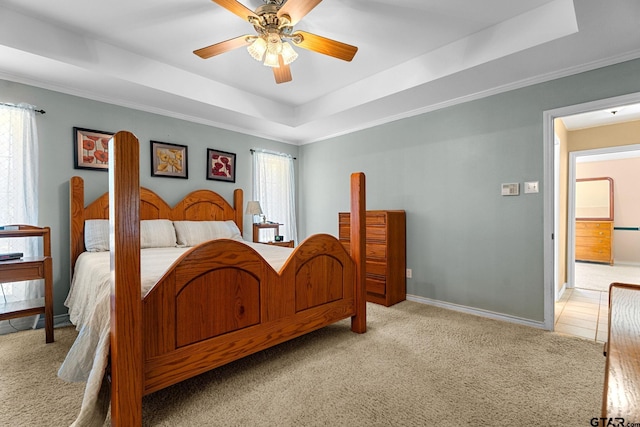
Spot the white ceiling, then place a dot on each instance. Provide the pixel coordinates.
(414, 56)
(609, 116)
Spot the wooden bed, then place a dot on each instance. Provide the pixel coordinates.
(254, 307)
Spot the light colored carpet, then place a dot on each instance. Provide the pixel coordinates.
(598, 277)
(417, 365)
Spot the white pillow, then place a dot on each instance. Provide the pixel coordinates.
(96, 235)
(154, 233)
(157, 233)
(192, 233)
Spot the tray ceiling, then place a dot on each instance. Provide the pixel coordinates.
(414, 56)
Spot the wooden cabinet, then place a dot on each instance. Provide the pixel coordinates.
(385, 254)
(594, 241)
(30, 268)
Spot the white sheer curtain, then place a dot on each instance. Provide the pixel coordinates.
(274, 188)
(19, 198)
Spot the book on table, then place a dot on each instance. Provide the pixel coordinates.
(10, 256)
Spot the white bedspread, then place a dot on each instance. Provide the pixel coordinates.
(89, 311)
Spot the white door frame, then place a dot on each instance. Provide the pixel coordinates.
(548, 194)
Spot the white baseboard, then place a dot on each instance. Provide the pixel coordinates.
(630, 263)
(561, 291)
(477, 311)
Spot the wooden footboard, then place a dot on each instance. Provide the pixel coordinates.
(221, 300)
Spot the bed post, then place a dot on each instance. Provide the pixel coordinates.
(237, 205)
(126, 302)
(76, 218)
(358, 236)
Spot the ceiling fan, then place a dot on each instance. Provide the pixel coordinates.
(273, 23)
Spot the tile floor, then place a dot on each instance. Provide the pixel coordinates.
(583, 313)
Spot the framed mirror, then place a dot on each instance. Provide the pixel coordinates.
(594, 199)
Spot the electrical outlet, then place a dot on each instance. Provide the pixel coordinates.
(409, 273)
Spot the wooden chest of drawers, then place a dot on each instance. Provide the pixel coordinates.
(594, 241)
(385, 254)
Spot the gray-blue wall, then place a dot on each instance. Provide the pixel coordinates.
(466, 244)
(55, 131)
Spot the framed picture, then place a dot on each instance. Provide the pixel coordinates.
(169, 160)
(91, 149)
(221, 166)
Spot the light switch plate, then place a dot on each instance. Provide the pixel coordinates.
(531, 187)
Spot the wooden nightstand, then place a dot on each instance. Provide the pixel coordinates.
(264, 226)
(276, 228)
(288, 244)
(30, 268)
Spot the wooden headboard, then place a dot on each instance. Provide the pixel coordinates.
(199, 205)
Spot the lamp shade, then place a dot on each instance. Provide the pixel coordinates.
(253, 208)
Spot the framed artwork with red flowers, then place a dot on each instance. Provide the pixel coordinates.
(169, 160)
(91, 149)
(221, 166)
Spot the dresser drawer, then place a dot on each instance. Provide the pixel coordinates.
(376, 286)
(373, 234)
(378, 251)
(590, 225)
(593, 228)
(376, 268)
(344, 231)
(600, 243)
(593, 232)
(21, 271)
(372, 251)
(378, 234)
(376, 218)
(585, 253)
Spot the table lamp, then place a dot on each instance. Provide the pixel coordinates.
(253, 208)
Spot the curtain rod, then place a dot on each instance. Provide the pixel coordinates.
(31, 107)
(273, 152)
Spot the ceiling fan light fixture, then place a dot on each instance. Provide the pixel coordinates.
(257, 48)
(288, 54)
(271, 59)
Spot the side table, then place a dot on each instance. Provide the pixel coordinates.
(29, 268)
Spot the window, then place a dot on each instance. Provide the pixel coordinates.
(274, 188)
(19, 194)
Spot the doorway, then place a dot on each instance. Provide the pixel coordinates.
(582, 309)
(559, 238)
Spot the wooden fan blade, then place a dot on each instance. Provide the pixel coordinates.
(283, 72)
(325, 46)
(222, 47)
(237, 8)
(297, 9)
